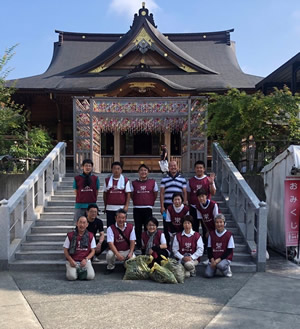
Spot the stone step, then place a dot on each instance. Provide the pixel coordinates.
(59, 255)
(50, 237)
(53, 222)
(61, 208)
(58, 245)
(59, 265)
(43, 229)
(42, 245)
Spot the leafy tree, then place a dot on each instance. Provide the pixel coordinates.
(13, 122)
(270, 121)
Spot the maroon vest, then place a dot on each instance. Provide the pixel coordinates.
(195, 185)
(80, 254)
(219, 244)
(115, 196)
(207, 215)
(120, 243)
(176, 217)
(143, 192)
(156, 241)
(87, 194)
(188, 245)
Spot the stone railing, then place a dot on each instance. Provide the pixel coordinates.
(248, 211)
(18, 214)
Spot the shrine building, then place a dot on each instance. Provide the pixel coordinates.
(118, 97)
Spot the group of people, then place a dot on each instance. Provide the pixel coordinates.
(183, 205)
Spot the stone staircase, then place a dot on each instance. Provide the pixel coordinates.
(43, 249)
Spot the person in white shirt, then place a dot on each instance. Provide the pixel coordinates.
(116, 192)
(121, 241)
(79, 249)
(188, 246)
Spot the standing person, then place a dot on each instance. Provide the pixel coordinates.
(153, 241)
(86, 187)
(188, 246)
(116, 193)
(199, 181)
(219, 249)
(95, 225)
(172, 183)
(143, 193)
(79, 249)
(163, 163)
(121, 241)
(175, 214)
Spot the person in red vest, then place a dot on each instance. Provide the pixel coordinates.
(206, 212)
(79, 249)
(188, 246)
(121, 241)
(86, 187)
(153, 241)
(199, 181)
(219, 249)
(116, 193)
(175, 213)
(143, 193)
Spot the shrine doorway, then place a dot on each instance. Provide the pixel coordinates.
(137, 127)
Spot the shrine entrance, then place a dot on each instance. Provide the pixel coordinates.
(132, 131)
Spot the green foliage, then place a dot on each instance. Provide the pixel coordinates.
(36, 146)
(13, 122)
(271, 121)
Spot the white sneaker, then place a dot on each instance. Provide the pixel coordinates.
(187, 274)
(205, 262)
(229, 273)
(193, 273)
(96, 260)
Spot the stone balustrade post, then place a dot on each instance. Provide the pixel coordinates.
(261, 237)
(4, 234)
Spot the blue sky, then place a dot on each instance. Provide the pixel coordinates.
(267, 32)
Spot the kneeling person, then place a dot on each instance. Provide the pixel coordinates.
(220, 247)
(188, 246)
(153, 241)
(121, 241)
(79, 249)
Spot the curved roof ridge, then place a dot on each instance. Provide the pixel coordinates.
(169, 46)
(147, 75)
(178, 51)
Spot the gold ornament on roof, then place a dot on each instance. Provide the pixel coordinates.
(187, 68)
(141, 85)
(98, 69)
(143, 35)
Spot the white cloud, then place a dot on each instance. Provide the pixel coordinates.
(130, 7)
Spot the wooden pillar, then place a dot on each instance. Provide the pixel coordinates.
(168, 143)
(116, 146)
(59, 135)
(59, 127)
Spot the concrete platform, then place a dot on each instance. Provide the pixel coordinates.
(247, 300)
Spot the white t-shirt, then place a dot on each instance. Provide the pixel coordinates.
(110, 234)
